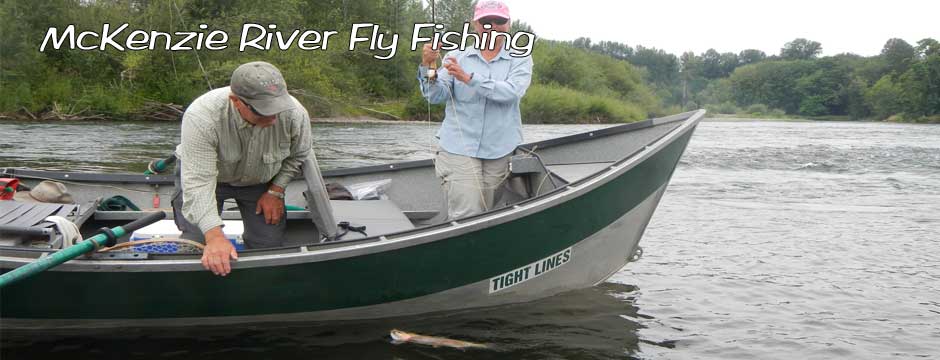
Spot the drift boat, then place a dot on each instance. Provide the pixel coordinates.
(584, 203)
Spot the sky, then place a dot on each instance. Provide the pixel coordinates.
(859, 27)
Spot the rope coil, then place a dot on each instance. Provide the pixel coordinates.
(68, 229)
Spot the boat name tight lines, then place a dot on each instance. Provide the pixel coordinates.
(530, 271)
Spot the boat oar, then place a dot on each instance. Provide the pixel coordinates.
(159, 166)
(74, 251)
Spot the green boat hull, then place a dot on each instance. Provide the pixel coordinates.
(573, 240)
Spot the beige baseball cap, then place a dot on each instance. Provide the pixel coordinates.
(46, 192)
(262, 86)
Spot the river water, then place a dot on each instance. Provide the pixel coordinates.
(775, 240)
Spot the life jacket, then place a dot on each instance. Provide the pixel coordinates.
(8, 188)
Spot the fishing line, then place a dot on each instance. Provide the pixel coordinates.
(478, 183)
(431, 73)
(432, 76)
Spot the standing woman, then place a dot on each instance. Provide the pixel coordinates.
(482, 88)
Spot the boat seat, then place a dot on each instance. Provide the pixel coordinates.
(23, 223)
(379, 216)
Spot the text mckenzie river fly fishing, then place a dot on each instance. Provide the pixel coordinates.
(261, 37)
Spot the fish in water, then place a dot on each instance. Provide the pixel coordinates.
(399, 336)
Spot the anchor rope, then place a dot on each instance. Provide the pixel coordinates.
(68, 229)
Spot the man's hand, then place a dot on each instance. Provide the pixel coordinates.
(454, 69)
(272, 206)
(429, 56)
(215, 257)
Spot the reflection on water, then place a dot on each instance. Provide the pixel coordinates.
(574, 325)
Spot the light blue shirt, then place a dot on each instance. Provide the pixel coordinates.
(482, 119)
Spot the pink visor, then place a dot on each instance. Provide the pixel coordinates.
(486, 8)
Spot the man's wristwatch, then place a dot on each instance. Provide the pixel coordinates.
(277, 194)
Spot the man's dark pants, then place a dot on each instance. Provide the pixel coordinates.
(257, 233)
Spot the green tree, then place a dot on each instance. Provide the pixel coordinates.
(919, 88)
(856, 106)
(823, 92)
(801, 49)
(927, 47)
(615, 49)
(582, 43)
(662, 67)
(454, 13)
(751, 56)
(519, 25)
(691, 80)
(711, 64)
(898, 56)
(728, 62)
(773, 83)
(885, 98)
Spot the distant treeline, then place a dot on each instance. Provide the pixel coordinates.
(337, 82)
(577, 81)
(902, 83)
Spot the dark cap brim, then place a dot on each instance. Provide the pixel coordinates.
(272, 106)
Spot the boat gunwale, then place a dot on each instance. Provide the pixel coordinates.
(295, 254)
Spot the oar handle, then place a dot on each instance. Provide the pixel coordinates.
(159, 166)
(144, 221)
(76, 250)
(25, 230)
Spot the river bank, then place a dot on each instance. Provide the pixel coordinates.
(51, 116)
(23, 117)
(751, 117)
(45, 117)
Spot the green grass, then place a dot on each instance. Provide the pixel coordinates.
(550, 104)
